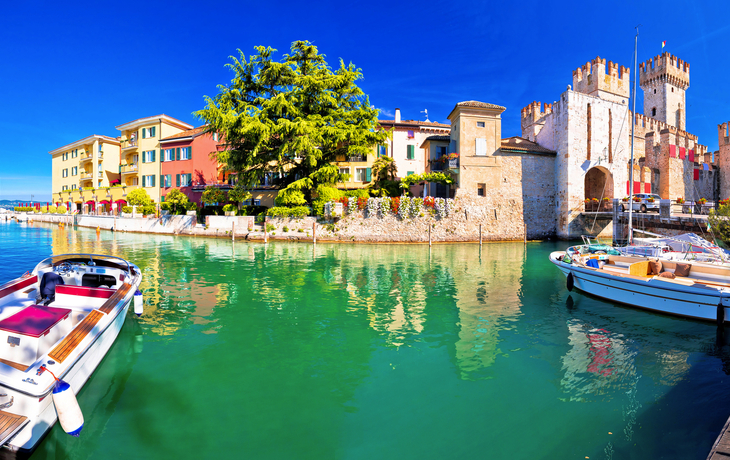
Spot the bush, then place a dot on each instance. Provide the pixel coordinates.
(127, 209)
(325, 194)
(229, 208)
(283, 211)
(149, 209)
(61, 210)
(252, 210)
(357, 193)
(165, 206)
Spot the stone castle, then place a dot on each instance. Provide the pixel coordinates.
(590, 128)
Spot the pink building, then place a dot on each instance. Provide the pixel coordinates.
(186, 163)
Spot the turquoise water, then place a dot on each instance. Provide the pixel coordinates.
(290, 351)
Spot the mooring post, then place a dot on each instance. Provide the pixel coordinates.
(314, 232)
(266, 231)
(480, 234)
(429, 236)
(233, 231)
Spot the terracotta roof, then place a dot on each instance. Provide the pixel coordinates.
(519, 144)
(484, 105)
(188, 133)
(415, 123)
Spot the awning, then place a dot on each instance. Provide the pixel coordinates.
(121, 201)
(90, 202)
(105, 202)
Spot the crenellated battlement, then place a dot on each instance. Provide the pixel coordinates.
(647, 123)
(664, 68)
(595, 77)
(723, 133)
(534, 111)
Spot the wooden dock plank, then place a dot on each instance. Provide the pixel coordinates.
(10, 424)
(63, 349)
(114, 299)
(720, 447)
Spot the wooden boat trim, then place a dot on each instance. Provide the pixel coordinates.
(10, 424)
(20, 367)
(71, 341)
(115, 298)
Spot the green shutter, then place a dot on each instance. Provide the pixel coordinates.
(153, 157)
(368, 174)
(153, 181)
(144, 181)
(177, 179)
(409, 173)
(411, 154)
(190, 152)
(177, 154)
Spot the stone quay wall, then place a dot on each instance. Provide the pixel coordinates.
(501, 219)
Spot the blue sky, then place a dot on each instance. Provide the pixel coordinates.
(72, 69)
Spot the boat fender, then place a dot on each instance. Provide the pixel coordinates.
(67, 408)
(720, 313)
(138, 303)
(570, 281)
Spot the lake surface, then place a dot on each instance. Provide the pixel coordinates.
(335, 351)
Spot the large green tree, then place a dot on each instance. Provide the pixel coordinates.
(292, 116)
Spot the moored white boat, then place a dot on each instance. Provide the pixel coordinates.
(703, 294)
(68, 337)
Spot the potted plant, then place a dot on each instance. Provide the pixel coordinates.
(680, 200)
(625, 199)
(229, 210)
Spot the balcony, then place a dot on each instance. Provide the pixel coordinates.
(454, 163)
(131, 168)
(437, 165)
(85, 157)
(129, 144)
(85, 176)
(357, 158)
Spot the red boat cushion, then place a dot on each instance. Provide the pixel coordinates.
(34, 321)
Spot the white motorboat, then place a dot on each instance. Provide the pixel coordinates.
(44, 339)
(696, 290)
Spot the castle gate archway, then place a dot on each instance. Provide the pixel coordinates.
(599, 183)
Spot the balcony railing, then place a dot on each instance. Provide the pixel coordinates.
(437, 165)
(129, 168)
(129, 144)
(356, 158)
(454, 164)
(84, 176)
(85, 156)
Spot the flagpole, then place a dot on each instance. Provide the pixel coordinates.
(633, 127)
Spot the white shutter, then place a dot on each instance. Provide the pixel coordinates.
(481, 146)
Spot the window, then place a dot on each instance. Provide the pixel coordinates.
(148, 132)
(215, 137)
(411, 135)
(74, 153)
(100, 148)
(64, 156)
(64, 188)
(167, 180)
(481, 146)
(441, 150)
(345, 171)
(148, 181)
(74, 170)
(168, 155)
(65, 172)
(481, 189)
(363, 174)
(73, 186)
(255, 202)
(183, 153)
(411, 154)
(382, 150)
(148, 156)
(480, 124)
(653, 112)
(184, 180)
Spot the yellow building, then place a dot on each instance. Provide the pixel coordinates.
(140, 151)
(87, 164)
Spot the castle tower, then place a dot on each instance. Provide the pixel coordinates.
(722, 158)
(664, 79)
(595, 78)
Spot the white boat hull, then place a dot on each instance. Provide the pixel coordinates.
(651, 294)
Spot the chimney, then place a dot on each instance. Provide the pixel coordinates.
(397, 115)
